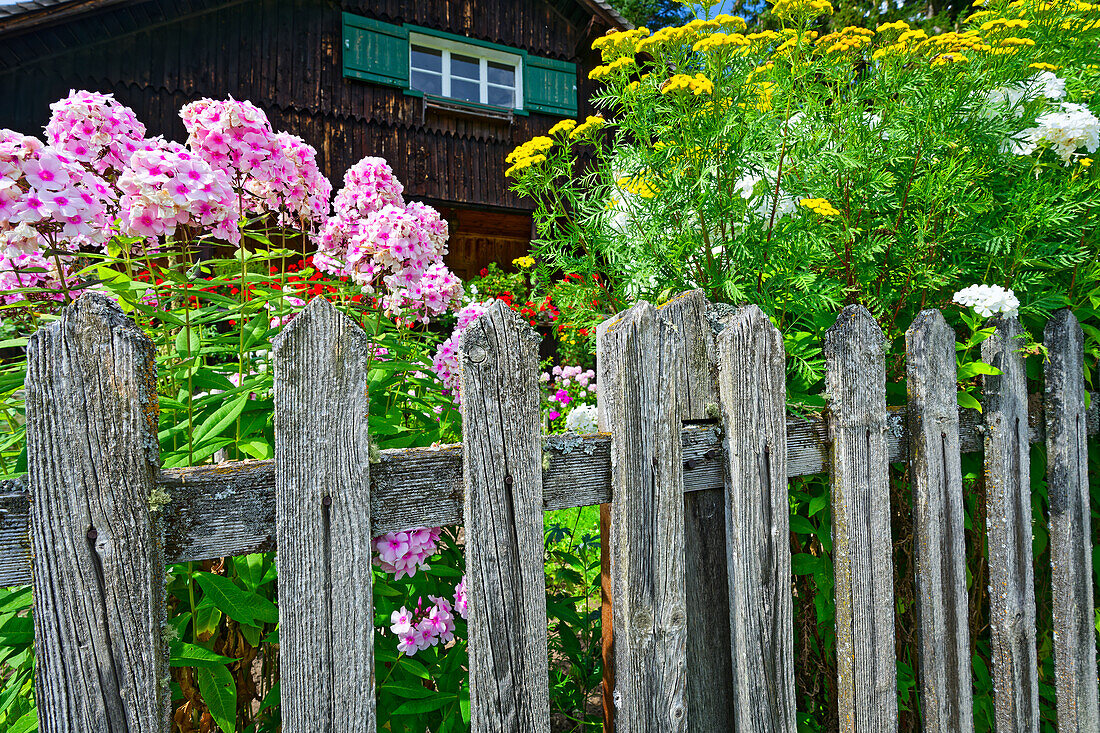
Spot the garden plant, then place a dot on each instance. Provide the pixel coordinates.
(803, 170)
(212, 247)
(786, 166)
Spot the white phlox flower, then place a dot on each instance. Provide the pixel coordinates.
(988, 300)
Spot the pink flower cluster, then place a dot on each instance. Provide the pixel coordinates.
(436, 292)
(424, 626)
(460, 598)
(165, 186)
(403, 553)
(95, 130)
(49, 201)
(294, 186)
(445, 363)
(51, 191)
(383, 244)
(368, 186)
(278, 170)
(563, 378)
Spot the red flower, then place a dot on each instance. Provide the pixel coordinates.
(484, 271)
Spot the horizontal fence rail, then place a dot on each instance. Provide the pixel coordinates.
(693, 463)
(228, 509)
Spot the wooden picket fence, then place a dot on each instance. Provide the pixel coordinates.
(694, 462)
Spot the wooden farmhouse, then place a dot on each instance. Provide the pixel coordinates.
(443, 89)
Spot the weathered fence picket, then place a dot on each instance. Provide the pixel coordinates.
(709, 673)
(92, 455)
(692, 467)
(323, 523)
(855, 379)
(938, 526)
(1070, 531)
(753, 398)
(1008, 528)
(506, 587)
(639, 356)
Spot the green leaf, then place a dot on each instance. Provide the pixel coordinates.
(818, 503)
(261, 450)
(193, 655)
(406, 690)
(27, 723)
(220, 419)
(415, 667)
(427, 705)
(219, 691)
(801, 525)
(974, 368)
(967, 400)
(255, 331)
(240, 605)
(806, 564)
(207, 620)
(188, 342)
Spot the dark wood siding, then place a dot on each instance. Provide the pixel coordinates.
(284, 55)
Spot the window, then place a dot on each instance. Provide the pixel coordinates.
(428, 62)
(464, 72)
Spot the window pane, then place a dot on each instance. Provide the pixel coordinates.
(466, 67)
(427, 83)
(502, 74)
(467, 90)
(427, 59)
(500, 96)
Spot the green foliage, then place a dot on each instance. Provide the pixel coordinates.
(653, 13)
(803, 171)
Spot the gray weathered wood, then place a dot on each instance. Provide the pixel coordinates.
(229, 508)
(856, 385)
(1070, 531)
(938, 525)
(709, 669)
(99, 613)
(1008, 532)
(323, 523)
(639, 355)
(761, 615)
(506, 587)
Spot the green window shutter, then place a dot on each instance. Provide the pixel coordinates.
(375, 51)
(550, 86)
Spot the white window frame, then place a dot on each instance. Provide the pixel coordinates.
(483, 54)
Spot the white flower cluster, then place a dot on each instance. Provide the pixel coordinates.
(582, 420)
(1044, 84)
(988, 300)
(761, 208)
(1074, 127)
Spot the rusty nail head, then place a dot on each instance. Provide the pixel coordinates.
(690, 464)
(327, 501)
(508, 480)
(711, 454)
(92, 534)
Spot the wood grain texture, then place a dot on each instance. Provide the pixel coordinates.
(753, 396)
(1008, 532)
(99, 603)
(229, 508)
(639, 364)
(15, 541)
(1070, 530)
(938, 521)
(502, 460)
(709, 670)
(323, 523)
(856, 385)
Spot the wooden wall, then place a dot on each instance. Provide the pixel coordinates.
(284, 55)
